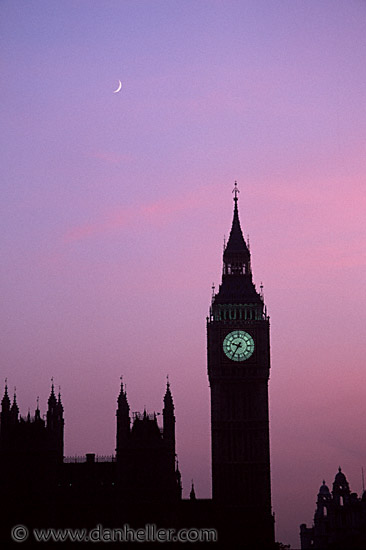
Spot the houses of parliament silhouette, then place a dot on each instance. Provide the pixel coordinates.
(141, 484)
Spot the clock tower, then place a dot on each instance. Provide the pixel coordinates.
(238, 370)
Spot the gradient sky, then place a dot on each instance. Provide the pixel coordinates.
(115, 206)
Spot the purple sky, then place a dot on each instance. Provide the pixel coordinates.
(114, 209)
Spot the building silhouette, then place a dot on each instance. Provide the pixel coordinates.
(339, 519)
(31, 449)
(141, 483)
(146, 461)
(238, 370)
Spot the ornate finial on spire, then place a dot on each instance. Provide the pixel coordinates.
(37, 401)
(168, 399)
(5, 403)
(213, 289)
(52, 398)
(236, 191)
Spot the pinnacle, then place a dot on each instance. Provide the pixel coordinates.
(236, 242)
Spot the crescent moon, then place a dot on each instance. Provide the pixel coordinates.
(118, 88)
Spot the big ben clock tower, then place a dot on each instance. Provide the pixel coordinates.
(238, 370)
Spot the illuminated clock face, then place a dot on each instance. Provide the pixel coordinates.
(238, 345)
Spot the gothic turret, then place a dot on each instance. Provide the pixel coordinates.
(123, 421)
(14, 411)
(5, 402)
(5, 415)
(59, 406)
(37, 414)
(169, 418)
(51, 412)
(169, 426)
(55, 425)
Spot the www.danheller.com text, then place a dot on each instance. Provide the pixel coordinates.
(148, 533)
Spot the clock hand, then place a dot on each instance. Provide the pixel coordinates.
(237, 346)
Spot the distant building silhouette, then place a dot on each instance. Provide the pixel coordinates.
(141, 483)
(339, 519)
(146, 459)
(31, 449)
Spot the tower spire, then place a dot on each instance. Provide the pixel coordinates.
(52, 398)
(60, 407)
(14, 408)
(236, 242)
(122, 398)
(169, 422)
(236, 257)
(237, 285)
(6, 400)
(37, 415)
(168, 398)
(123, 421)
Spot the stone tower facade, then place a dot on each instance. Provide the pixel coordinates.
(238, 370)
